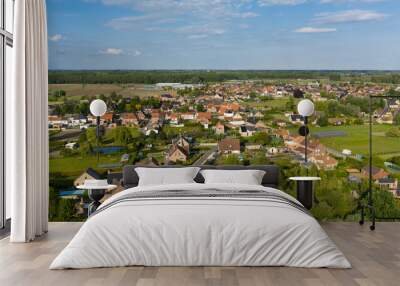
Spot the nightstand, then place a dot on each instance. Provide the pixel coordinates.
(305, 190)
(96, 191)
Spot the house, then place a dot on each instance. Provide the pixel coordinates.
(107, 117)
(124, 158)
(246, 131)
(182, 142)
(272, 150)
(337, 121)
(156, 116)
(387, 183)
(89, 174)
(261, 126)
(377, 173)
(229, 146)
(140, 116)
(324, 161)
(177, 153)
(205, 122)
(203, 116)
(57, 122)
(219, 129)
(282, 133)
(167, 97)
(149, 161)
(72, 146)
(129, 119)
(253, 147)
(188, 116)
(346, 152)
(296, 118)
(174, 119)
(77, 120)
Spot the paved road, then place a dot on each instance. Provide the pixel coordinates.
(206, 156)
(66, 134)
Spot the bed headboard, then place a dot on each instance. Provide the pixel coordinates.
(130, 178)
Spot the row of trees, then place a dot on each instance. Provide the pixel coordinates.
(151, 77)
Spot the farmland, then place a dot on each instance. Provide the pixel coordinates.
(79, 91)
(356, 139)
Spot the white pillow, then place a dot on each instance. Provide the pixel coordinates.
(166, 176)
(248, 177)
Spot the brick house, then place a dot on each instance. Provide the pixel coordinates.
(177, 153)
(229, 146)
(219, 129)
(129, 119)
(89, 174)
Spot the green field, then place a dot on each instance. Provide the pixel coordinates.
(74, 166)
(356, 139)
(77, 91)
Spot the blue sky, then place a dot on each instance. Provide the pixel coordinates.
(224, 34)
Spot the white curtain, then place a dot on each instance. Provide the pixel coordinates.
(26, 124)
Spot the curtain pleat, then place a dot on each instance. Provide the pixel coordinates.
(28, 160)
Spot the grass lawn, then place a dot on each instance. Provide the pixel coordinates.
(73, 166)
(356, 139)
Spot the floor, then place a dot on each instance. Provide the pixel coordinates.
(375, 257)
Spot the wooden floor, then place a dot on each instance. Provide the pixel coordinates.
(375, 257)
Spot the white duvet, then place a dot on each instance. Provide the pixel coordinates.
(202, 232)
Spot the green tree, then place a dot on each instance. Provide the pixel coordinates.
(323, 120)
(66, 210)
(122, 135)
(200, 108)
(290, 106)
(91, 135)
(259, 159)
(84, 108)
(231, 159)
(396, 119)
(86, 149)
(393, 132)
(53, 203)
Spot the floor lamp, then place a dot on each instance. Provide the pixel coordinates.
(305, 109)
(98, 108)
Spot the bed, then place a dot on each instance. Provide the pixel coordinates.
(201, 224)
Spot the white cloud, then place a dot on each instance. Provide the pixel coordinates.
(198, 36)
(348, 16)
(138, 21)
(280, 2)
(112, 51)
(137, 53)
(56, 38)
(119, 52)
(155, 12)
(200, 30)
(315, 30)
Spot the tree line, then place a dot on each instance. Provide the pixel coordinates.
(203, 76)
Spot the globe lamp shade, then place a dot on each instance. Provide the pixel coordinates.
(98, 107)
(305, 107)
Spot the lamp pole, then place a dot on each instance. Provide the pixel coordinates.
(98, 108)
(305, 109)
(98, 138)
(305, 141)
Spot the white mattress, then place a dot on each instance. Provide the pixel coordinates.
(200, 232)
